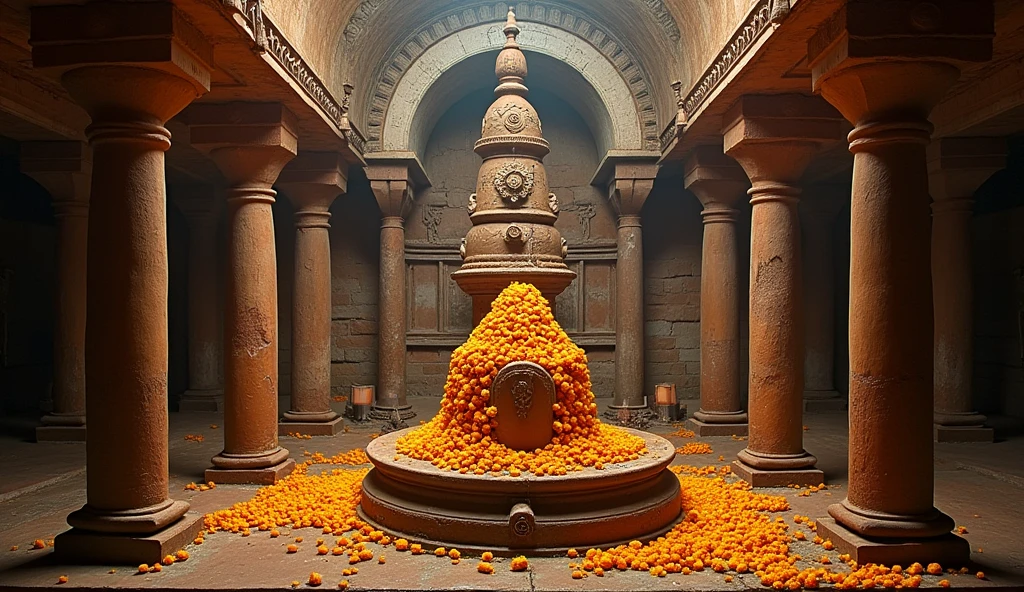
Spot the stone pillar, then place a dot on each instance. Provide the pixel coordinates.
(205, 348)
(311, 182)
(63, 169)
(888, 515)
(958, 167)
(250, 144)
(629, 185)
(774, 139)
(129, 92)
(721, 186)
(817, 224)
(393, 182)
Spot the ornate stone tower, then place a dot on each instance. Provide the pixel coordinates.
(513, 236)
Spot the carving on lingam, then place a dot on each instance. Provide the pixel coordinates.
(513, 237)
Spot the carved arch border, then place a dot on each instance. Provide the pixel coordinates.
(358, 22)
(627, 68)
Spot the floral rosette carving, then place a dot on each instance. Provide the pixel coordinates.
(514, 182)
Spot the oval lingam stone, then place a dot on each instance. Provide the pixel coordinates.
(524, 392)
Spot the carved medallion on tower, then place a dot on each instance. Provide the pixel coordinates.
(514, 182)
(513, 117)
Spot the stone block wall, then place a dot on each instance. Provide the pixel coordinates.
(27, 285)
(673, 235)
(355, 261)
(999, 290)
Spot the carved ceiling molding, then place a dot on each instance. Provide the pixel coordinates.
(761, 17)
(391, 70)
(268, 38)
(357, 23)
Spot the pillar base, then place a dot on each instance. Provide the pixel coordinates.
(263, 476)
(54, 433)
(823, 401)
(780, 478)
(386, 413)
(84, 546)
(201, 401)
(959, 434)
(948, 549)
(717, 429)
(311, 428)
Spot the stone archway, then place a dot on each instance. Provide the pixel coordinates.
(616, 104)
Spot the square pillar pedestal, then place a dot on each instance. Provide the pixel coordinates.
(948, 550)
(964, 434)
(263, 476)
(311, 428)
(80, 546)
(716, 429)
(781, 478)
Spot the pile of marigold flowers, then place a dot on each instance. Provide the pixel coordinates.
(462, 436)
(327, 500)
(695, 448)
(726, 528)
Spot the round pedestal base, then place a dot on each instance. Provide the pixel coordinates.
(527, 514)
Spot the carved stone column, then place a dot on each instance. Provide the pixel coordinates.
(721, 186)
(205, 348)
(250, 143)
(888, 515)
(957, 167)
(774, 139)
(64, 169)
(311, 182)
(629, 183)
(817, 224)
(129, 89)
(393, 180)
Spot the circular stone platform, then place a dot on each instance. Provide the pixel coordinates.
(527, 514)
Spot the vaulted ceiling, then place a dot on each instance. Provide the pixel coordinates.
(373, 43)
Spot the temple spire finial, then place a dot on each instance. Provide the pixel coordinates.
(511, 29)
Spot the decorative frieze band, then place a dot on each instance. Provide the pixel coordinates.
(761, 17)
(267, 38)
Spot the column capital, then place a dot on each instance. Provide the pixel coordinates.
(957, 167)
(717, 180)
(313, 180)
(394, 178)
(629, 177)
(774, 137)
(107, 38)
(895, 60)
(249, 142)
(64, 169)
